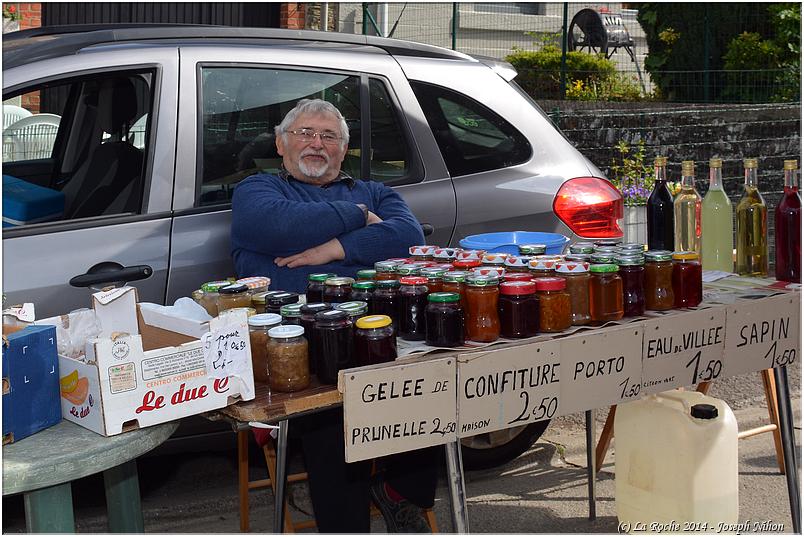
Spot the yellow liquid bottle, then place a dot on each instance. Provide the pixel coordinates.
(717, 224)
(752, 227)
(687, 212)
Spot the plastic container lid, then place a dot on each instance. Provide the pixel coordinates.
(477, 280)
(517, 288)
(264, 319)
(315, 307)
(320, 276)
(213, 287)
(353, 307)
(339, 280)
(685, 256)
(509, 241)
(443, 297)
(286, 331)
(330, 316)
(291, 310)
(572, 267)
(550, 284)
(456, 276)
(233, 289)
(703, 411)
(373, 321)
(413, 280)
(364, 285)
(387, 284)
(658, 255)
(604, 267)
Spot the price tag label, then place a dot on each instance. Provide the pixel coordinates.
(508, 387)
(683, 350)
(762, 334)
(601, 368)
(399, 407)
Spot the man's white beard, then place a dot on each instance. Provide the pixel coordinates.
(315, 171)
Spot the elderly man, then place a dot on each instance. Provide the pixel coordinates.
(312, 217)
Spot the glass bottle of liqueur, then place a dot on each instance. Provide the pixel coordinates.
(752, 226)
(788, 228)
(660, 210)
(717, 224)
(687, 212)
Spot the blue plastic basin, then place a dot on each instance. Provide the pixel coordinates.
(509, 241)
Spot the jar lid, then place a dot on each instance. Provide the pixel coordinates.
(314, 307)
(233, 289)
(632, 246)
(255, 282)
(397, 260)
(413, 280)
(364, 285)
(685, 256)
(467, 255)
(432, 272)
(445, 253)
(478, 280)
(320, 276)
(605, 249)
(443, 266)
(408, 269)
(493, 270)
(518, 276)
(658, 255)
(286, 331)
(543, 262)
(517, 261)
(291, 310)
(353, 307)
(373, 321)
(494, 259)
(424, 249)
(280, 299)
(604, 267)
(339, 280)
(264, 319)
(630, 260)
(572, 267)
(608, 242)
(443, 297)
(550, 284)
(466, 263)
(213, 287)
(580, 258)
(385, 266)
(532, 249)
(517, 288)
(582, 248)
(366, 274)
(387, 284)
(456, 276)
(603, 258)
(331, 316)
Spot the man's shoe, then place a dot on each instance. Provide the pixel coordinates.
(401, 516)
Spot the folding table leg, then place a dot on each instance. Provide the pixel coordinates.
(281, 475)
(457, 490)
(789, 444)
(591, 471)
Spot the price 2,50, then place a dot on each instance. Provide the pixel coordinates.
(546, 409)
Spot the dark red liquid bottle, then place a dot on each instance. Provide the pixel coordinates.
(660, 211)
(788, 228)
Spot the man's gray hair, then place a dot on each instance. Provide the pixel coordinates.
(315, 107)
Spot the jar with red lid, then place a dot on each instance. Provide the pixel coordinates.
(434, 278)
(659, 295)
(555, 312)
(338, 289)
(543, 266)
(687, 280)
(444, 320)
(519, 310)
(517, 263)
(605, 293)
(385, 270)
(518, 277)
(482, 309)
(421, 253)
(412, 303)
(465, 264)
(577, 277)
(315, 286)
(632, 272)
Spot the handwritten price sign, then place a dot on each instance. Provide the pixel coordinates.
(227, 350)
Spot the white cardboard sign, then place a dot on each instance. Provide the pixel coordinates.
(601, 368)
(683, 350)
(399, 408)
(508, 387)
(762, 333)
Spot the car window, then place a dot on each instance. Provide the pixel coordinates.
(75, 148)
(390, 152)
(472, 138)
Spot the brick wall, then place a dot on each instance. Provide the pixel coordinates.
(30, 15)
(291, 15)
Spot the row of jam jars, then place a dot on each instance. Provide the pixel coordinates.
(374, 340)
(412, 303)
(519, 309)
(576, 275)
(632, 272)
(482, 316)
(687, 280)
(334, 334)
(605, 293)
(444, 320)
(315, 286)
(385, 301)
(555, 310)
(659, 295)
(307, 321)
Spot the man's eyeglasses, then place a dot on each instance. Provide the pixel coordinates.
(308, 135)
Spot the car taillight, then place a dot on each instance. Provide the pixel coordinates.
(590, 207)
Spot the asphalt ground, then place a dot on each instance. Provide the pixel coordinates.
(542, 491)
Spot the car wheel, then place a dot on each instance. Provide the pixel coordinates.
(488, 450)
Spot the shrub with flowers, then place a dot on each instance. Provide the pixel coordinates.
(632, 177)
(10, 12)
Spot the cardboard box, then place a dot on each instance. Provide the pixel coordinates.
(129, 380)
(30, 382)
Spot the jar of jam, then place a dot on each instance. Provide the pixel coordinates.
(518, 277)
(576, 275)
(274, 303)
(333, 330)
(494, 260)
(374, 340)
(455, 282)
(482, 309)
(234, 295)
(315, 287)
(422, 253)
(491, 271)
(465, 264)
(659, 294)
(355, 309)
(469, 255)
(385, 301)
(519, 310)
(366, 275)
(307, 321)
(255, 284)
(291, 313)
(543, 266)
(210, 297)
(288, 359)
(412, 303)
(445, 255)
(632, 272)
(363, 289)
(687, 280)
(444, 320)
(338, 289)
(582, 248)
(408, 269)
(605, 293)
(604, 258)
(517, 263)
(385, 270)
(434, 278)
(258, 327)
(555, 312)
(631, 249)
(532, 249)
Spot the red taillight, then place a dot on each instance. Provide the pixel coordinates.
(590, 207)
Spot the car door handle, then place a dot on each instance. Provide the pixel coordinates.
(111, 272)
(427, 229)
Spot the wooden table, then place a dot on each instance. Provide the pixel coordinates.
(43, 465)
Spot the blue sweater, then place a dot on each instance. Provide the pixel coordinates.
(276, 217)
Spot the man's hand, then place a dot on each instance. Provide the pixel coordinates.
(372, 219)
(318, 255)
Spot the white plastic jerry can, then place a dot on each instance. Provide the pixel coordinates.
(676, 463)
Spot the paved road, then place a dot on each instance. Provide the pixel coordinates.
(543, 491)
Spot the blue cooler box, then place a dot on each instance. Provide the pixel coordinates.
(31, 397)
(27, 203)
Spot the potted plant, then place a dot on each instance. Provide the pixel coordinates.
(634, 179)
(11, 18)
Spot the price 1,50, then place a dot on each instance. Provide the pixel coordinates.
(629, 390)
(710, 372)
(546, 409)
(786, 357)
